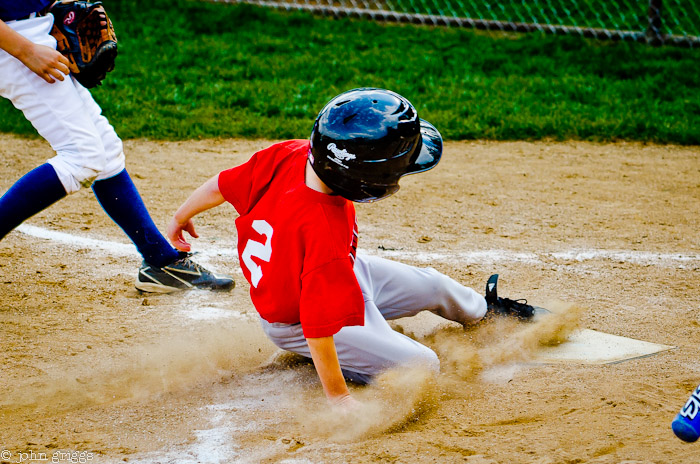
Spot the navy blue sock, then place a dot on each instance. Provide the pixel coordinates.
(122, 202)
(35, 191)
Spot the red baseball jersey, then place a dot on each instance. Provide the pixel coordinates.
(296, 245)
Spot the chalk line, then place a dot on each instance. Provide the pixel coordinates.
(114, 248)
(207, 250)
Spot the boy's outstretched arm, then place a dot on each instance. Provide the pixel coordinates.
(207, 196)
(326, 362)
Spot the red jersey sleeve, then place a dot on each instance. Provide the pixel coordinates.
(236, 184)
(244, 185)
(331, 299)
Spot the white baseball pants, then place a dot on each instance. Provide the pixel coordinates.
(64, 113)
(391, 290)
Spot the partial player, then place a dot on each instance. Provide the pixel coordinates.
(37, 79)
(686, 425)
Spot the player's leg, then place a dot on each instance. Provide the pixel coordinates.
(117, 193)
(164, 269)
(121, 201)
(363, 351)
(35, 191)
(400, 290)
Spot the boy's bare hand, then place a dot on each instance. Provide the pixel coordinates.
(46, 63)
(175, 234)
(345, 404)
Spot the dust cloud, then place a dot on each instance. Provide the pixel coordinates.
(395, 399)
(466, 353)
(174, 364)
(403, 396)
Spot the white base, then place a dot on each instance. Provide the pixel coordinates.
(592, 347)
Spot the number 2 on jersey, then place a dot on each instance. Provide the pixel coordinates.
(259, 250)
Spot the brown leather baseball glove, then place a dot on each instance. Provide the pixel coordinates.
(86, 37)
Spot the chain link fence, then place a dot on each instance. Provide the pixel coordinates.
(658, 22)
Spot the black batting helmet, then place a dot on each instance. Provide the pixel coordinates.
(365, 140)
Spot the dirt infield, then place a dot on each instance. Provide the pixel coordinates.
(93, 370)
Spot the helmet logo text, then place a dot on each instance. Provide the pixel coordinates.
(339, 155)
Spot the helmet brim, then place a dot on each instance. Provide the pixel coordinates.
(431, 149)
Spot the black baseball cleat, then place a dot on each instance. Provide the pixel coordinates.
(182, 274)
(496, 305)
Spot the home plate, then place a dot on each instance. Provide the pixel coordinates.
(592, 347)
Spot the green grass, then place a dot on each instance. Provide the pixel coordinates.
(188, 69)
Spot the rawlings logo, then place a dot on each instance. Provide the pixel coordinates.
(340, 155)
(70, 17)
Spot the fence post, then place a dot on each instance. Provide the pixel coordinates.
(653, 34)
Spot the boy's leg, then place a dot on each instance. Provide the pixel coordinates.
(400, 290)
(363, 351)
(35, 191)
(116, 192)
(391, 290)
(164, 268)
(121, 201)
(87, 148)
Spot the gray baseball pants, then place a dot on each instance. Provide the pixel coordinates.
(391, 290)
